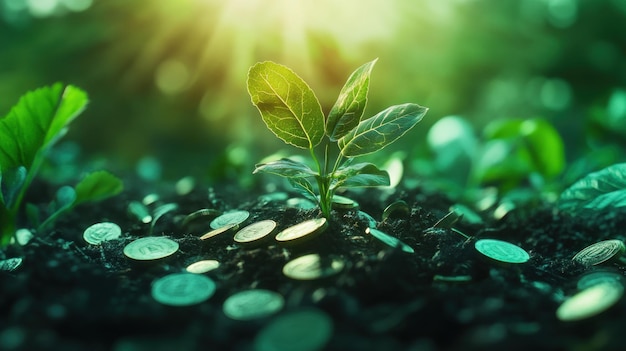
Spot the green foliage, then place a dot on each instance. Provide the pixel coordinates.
(597, 190)
(33, 125)
(291, 110)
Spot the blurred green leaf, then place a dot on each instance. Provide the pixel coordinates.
(97, 186)
(348, 110)
(287, 104)
(381, 130)
(598, 190)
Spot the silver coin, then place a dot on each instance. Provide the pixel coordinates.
(600, 252)
(99, 232)
(183, 289)
(230, 218)
(300, 330)
(253, 304)
(255, 233)
(312, 266)
(150, 248)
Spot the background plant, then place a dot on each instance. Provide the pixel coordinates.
(293, 113)
(33, 125)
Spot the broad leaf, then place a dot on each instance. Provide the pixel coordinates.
(598, 190)
(360, 175)
(97, 186)
(38, 119)
(285, 168)
(348, 110)
(11, 182)
(381, 130)
(287, 104)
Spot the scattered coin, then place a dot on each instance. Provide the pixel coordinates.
(399, 207)
(590, 301)
(200, 215)
(99, 232)
(255, 233)
(10, 264)
(218, 231)
(306, 229)
(150, 248)
(253, 304)
(600, 252)
(596, 277)
(203, 266)
(343, 203)
(501, 251)
(273, 197)
(300, 330)
(312, 266)
(230, 218)
(150, 199)
(389, 240)
(183, 289)
(303, 204)
(23, 236)
(139, 211)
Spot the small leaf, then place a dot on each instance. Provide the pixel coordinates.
(37, 120)
(304, 187)
(287, 104)
(381, 130)
(360, 175)
(598, 190)
(348, 110)
(96, 186)
(65, 197)
(285, 168)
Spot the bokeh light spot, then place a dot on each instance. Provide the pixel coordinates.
(172, 77)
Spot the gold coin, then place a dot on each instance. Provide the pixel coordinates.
(305, 229)
(312, 266)
(203, 266)
(218, 231)
(255, 233)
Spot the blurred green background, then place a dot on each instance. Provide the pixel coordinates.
(166, 79)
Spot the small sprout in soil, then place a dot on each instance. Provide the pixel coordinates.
(397, 208)
(34, 124)
(293, 113)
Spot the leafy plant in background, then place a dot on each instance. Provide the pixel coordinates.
(293, 113)
(33, 125)
(604, 189)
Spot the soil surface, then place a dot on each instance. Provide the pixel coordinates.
(71, 295)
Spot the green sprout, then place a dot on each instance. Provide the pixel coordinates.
(27, 133)
(293, 113)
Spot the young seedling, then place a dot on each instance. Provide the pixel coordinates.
(293, 113)
(32, 126)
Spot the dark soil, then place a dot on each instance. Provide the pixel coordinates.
(69, 295)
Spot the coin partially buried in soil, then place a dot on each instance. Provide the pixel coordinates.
(600, 252)
(150, 248)
(312, 266)
(255, 234)
(183, 289)
(230, 218)
(302, 231)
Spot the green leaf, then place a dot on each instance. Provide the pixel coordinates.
(348, 110)
(96, 186)
(285, 168)
(305, 188)
(287, 104)
(598, 190)
(36, 122)
(11, 182)
(360, 175)
(381, 130)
